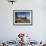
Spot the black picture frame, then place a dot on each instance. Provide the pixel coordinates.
(20, 19)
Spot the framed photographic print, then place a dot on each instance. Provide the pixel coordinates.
(22, 17)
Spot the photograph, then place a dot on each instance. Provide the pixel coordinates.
(22, 16)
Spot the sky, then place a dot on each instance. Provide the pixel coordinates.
(23, 14)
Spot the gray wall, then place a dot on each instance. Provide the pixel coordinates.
(37, 31)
